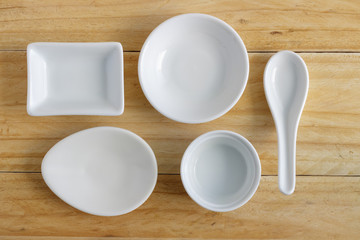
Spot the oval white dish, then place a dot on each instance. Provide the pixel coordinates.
(104, 171)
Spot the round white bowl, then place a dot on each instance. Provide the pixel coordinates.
(104, 171)
(220, 170)
(193, 68)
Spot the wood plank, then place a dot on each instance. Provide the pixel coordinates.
(71, 238)
(272, 25)
(328, 138)
(84, 238)
(90, 238)
(312, 159)
(321, 207)
(80, 238)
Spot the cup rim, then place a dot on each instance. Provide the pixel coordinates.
(185, 177)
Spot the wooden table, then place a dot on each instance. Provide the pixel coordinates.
(326, 203)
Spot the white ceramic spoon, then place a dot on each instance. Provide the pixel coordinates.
(286, 83)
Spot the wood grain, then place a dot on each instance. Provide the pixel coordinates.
(321, 207)
(328, 137)
(300, 25)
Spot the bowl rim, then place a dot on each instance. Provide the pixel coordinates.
(236, 98)
(186, 158)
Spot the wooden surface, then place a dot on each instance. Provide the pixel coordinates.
(270, 25)
(322, 207)
(326, 203)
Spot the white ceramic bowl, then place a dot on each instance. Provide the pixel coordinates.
(104, 171)
(220, 170)
(193, 68)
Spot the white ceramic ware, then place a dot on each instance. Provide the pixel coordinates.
(104, 171)
(286, 83)
(75, 79)
(220, 170)
(193, 68)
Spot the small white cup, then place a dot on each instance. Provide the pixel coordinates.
(220, 170)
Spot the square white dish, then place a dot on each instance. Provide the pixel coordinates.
(75, 79)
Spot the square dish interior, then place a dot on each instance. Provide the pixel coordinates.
(75, 79)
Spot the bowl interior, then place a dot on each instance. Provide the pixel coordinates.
(193, 68)
(221, 171)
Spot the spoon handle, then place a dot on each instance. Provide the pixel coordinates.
(287, 157)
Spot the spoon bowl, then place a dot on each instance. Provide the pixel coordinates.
(286, 83)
